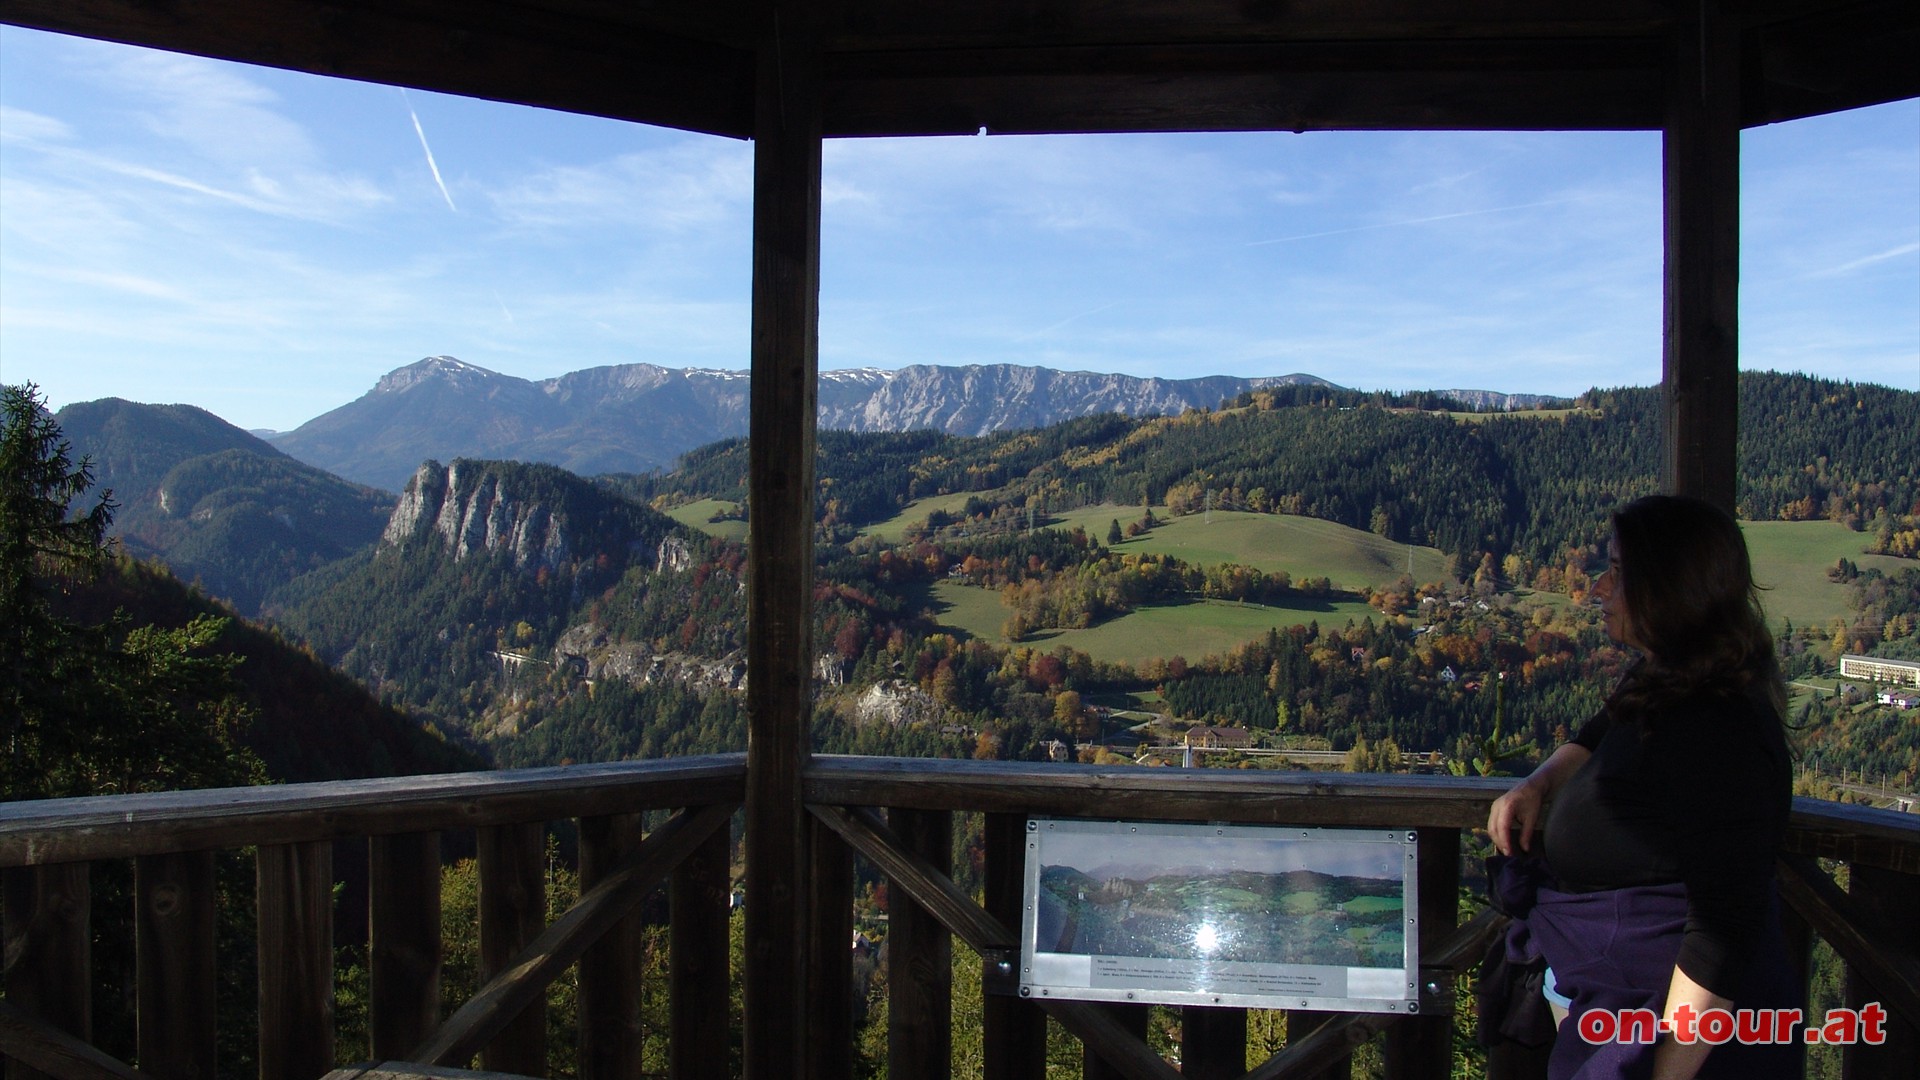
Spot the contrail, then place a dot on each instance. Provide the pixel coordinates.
(1411, 221)
(432, 165)
(503, 309)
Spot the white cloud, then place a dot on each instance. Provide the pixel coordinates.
(690, 185)
(23, 126)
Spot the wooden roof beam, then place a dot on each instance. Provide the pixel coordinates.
(496, 51)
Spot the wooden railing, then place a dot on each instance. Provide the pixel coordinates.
(896, 813)
(46, 849)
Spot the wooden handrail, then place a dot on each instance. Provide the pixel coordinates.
(119, 826)
(1254, 795)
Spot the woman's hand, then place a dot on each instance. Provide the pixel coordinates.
(1519, 809)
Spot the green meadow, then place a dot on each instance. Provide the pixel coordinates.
(1193, 630)
(694, 515)
(895, 527)
(1791, 559)
(1303, 547)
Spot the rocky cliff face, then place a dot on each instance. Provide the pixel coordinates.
(466, 506)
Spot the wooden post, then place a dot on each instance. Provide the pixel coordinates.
(175, 973)
(919, 960)
(1702, 193)
(609, 1004)
(1013, 1031)
(403, 954)
(830, 1022)
(294, 901)
(1421, 1047)
(513, 911)
(1213, 1043)
(1888, 899)
(1131, 1017)
(698, 894)
(786, 322)
(49, 949)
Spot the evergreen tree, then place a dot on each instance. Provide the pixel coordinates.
(99, 708)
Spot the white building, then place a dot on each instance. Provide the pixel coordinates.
(1876, 669)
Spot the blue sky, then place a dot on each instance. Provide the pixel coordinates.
(266, 245)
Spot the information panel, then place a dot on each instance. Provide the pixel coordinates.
(1246, 915)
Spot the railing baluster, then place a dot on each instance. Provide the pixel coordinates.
(1421, 1047)
(1887, 899)
(1013, 1031)
(830, 1004)
(404, 951)
(919, 960)
(49, 949)
(1131, 1017)
(176, 975)
(1213, 1043)
(513, 911)
(294, 904)
(609, 1003)
(699, 984)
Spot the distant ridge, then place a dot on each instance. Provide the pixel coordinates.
(638, 417)
(220, 506)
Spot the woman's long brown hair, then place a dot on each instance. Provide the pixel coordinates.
(1690, 594)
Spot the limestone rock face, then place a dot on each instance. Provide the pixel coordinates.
(589, 650)
(898, 703)
(465, 505)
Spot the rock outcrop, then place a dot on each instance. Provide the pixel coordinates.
(468, 508)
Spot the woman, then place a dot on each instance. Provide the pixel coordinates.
(1669, 808)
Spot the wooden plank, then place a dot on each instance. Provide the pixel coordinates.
(919, 956)
(1854, 834)
(49, 947)
(33, 1047)
(1701, 170)
(404, 951)
(920, 878)
(1886, 901)
(1013, 1031)
(176, 978)
(1255, 796)
(1270, 100)
(124, 826)
(831, 1001)
(524, 979)
(513, 913)
(294, 901)
(611, 1036)
(1422, 1046)
(1865, 945)
(1213, 1043)
(785, 373)
(1113, 1040)
(700, 992)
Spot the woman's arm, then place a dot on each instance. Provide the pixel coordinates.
(1519, 808)
(1675, 1060)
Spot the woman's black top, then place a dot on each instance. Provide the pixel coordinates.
(1696, 792)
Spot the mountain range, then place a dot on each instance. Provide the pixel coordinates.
(639, 417)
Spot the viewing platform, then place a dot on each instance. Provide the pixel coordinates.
(898, 814)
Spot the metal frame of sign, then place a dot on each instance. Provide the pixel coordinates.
(1257, 916)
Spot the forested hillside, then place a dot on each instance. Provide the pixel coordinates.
(1532, 485)
(216, 504)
